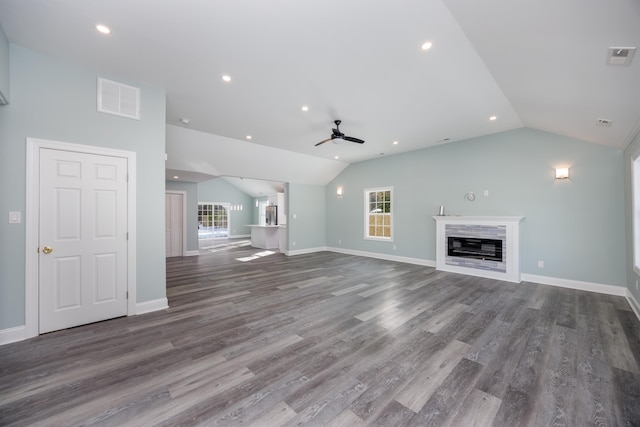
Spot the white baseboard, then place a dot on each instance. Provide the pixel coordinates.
(192, 253)
(239, 236)
(633, 302)
(544, 280)
(305, 251)
(416, 261)
(153, 305)
(9, 335)
(575, 284)
(19, 333)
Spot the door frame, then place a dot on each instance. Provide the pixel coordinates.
(33, 146)
(184, 219)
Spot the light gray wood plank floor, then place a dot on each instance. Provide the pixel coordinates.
(328, 339)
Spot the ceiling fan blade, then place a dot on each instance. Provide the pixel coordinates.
(322, 142)
(352, 139)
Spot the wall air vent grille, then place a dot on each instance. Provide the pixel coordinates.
(118, 99)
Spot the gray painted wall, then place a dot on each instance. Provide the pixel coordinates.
(575, 226)
(308, 229)
(191, 189)
(219, 190)
(632, 276)
(57, 101)
(4, 66)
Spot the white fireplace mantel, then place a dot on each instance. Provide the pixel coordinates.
(512, 241)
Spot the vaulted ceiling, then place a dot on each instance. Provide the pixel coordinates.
(540, 64)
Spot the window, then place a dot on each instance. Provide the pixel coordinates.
(378, 224)
(213, 220)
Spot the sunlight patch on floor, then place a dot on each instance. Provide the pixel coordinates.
(255, 256)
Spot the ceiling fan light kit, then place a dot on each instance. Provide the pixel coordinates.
(336, 134)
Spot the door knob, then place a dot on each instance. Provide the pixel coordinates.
(47, 250)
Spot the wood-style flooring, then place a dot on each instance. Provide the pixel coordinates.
(327, 339)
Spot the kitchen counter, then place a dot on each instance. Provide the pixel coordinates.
(265, 236)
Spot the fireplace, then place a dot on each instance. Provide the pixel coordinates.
(484, 246)
(466, 247)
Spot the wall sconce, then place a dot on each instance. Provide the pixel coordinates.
(256, 203)
(562, 173)
(339, 192)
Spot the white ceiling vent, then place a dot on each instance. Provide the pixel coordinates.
(620, 55)
(604, 122)
(118, 99)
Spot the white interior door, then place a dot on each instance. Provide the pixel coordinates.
(82, 238)
(173, 205)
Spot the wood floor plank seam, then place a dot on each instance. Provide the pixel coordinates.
(334, 340)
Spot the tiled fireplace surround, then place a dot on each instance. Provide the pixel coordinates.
(505, 228)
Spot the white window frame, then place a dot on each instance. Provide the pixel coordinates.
(635, 206)
(367, 191)
(227, 207)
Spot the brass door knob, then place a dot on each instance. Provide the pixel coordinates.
(47, 250)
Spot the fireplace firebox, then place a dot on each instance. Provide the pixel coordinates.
(466, 247)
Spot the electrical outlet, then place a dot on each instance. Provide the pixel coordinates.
(294, 243)
(394, 247)
(540, 264)
(339, 241)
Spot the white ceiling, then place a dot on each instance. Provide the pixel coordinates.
(534, 63)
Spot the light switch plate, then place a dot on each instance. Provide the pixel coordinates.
(15, 217)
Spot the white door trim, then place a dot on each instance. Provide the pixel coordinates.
(31, 223)
(184, 218)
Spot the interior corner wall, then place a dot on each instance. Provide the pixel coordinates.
(576, 226)
(219, 190)
(306, 222)
(191, 190)
(54, 100)
(5, 87)
(632, 276)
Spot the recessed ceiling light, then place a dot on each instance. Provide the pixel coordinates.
(226, 78)
(175, 177)
(305, 108)
(336, 157)
(249, 136)
(185, 121)
(103, 29)
(395, 142)
(492, 118)
(426, 45)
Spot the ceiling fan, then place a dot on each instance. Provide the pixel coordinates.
(339, 135)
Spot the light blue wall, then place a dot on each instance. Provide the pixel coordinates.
(4, 66)
(575, 226)
(57, 101)
(308, 229)
(191, 189)
(219, 190)
(632, 276)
